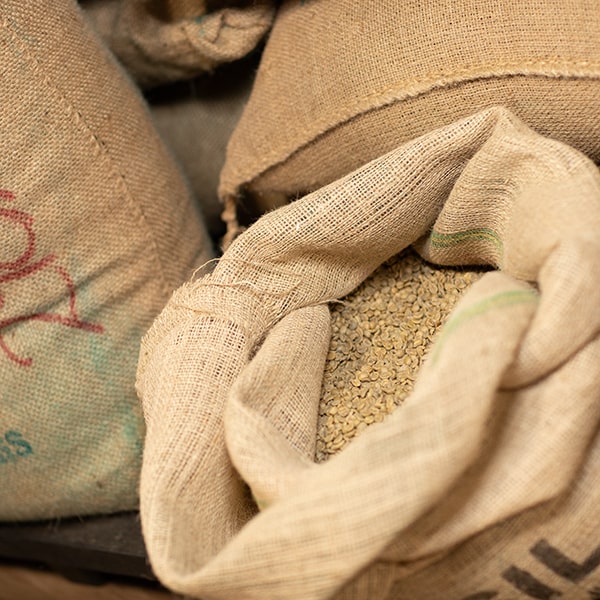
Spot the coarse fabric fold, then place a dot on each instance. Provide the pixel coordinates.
(342, 82)
(161, 41)
(492, 459)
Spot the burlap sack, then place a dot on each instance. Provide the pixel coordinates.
(342, 82)
(97, 229)
(196, 120)
(167, 40)
(485, 484)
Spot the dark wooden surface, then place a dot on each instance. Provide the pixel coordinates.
(85, 550)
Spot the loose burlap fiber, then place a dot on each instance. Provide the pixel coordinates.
(167, 40)
(490, 470)
(342, 82)
(97, 230)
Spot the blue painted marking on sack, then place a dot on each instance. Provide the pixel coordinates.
(200, 20)
(13, 447)
(126, 412)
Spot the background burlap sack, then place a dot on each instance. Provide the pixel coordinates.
(97, 229)
(167, 40)
(196, 119)
(489, 469)
(342, 82)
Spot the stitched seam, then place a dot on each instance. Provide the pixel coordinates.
(441, 77)
(552, 68)
(97, 149)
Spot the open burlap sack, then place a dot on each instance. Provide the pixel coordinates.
(484, 484)
(97, 230)
(342, 82)
(167, 40)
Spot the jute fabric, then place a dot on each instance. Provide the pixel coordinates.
(97, 228)
(342, 82)
(486, 475)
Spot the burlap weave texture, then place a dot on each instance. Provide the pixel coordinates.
(493, 453)
(342, 82)
(97, 230)
(168, 40)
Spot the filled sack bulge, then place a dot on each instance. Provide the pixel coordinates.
(342, 82)
(97, 230)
